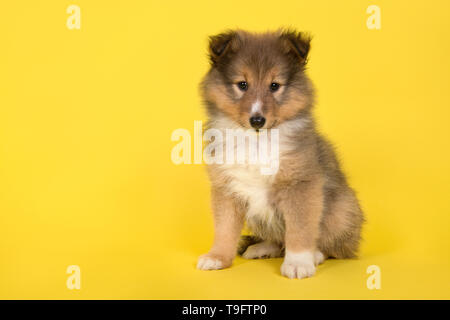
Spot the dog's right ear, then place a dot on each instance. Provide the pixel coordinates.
(222, 44)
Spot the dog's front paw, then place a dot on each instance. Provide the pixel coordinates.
(298, 265)
(212, 262)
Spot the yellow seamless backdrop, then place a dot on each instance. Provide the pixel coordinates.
(86, 118)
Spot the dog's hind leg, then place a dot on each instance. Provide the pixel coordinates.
(246, 241)
(264, 249)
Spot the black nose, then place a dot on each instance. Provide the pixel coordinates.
(257, 122)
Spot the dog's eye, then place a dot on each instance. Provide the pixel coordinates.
(274, 86)
(242, 85)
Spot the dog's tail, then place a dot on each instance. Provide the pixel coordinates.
(246, 241)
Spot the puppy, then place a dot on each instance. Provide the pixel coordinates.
(306, 211)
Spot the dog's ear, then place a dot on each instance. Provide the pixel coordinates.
(297, 43)
(220, 45)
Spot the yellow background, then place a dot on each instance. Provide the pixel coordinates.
(85, 123)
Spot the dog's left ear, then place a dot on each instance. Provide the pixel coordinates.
(297, 43)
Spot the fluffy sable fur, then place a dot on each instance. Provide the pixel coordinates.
(306, 211)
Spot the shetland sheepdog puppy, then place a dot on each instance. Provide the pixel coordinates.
(305, 212)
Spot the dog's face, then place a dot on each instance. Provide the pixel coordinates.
(258, 80)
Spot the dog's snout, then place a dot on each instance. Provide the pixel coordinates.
(257, 122)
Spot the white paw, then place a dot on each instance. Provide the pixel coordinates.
(319, 258)
(298, 265)
(209, 263)
(263, 249)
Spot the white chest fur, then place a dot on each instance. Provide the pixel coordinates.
(246, 180)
